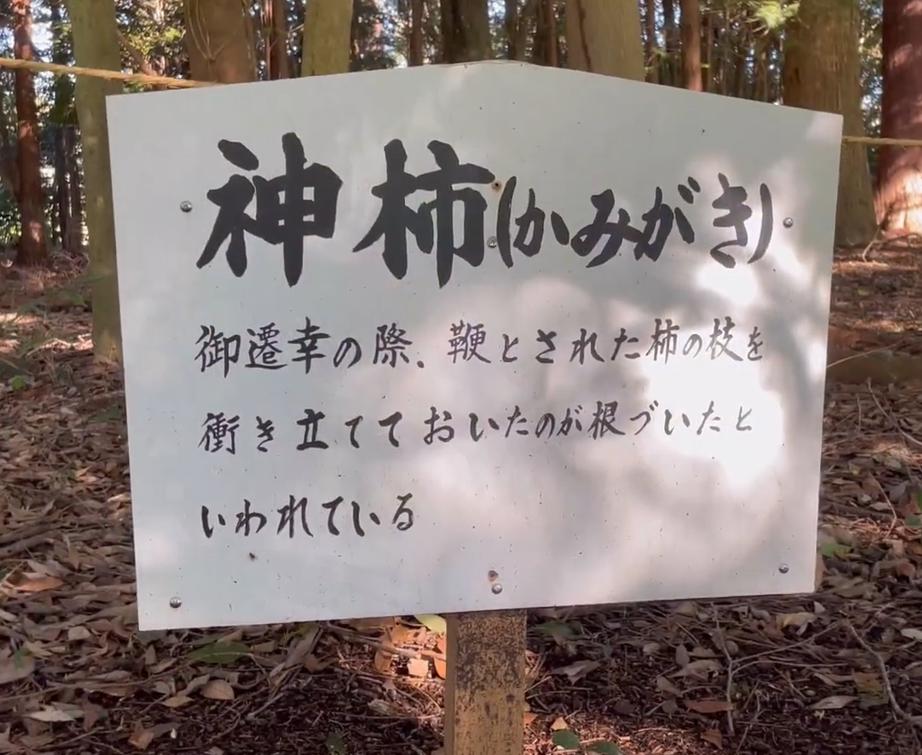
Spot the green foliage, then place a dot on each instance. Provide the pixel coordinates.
(773, 14)
(335, 745)
(219, 653)
(433, 622)
(565, 740)
(604, 748)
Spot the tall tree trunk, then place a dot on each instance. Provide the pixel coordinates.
(275, 36)
(465, 31)
(416, 33)
(33, 248)
(723, 36)
(545, 47)
(650, 47)
(603, 36)
(96, 46)
(327, 36)
(707, 37)
(822, 72)
(899, 191)
(60, 118)
(550, 32)
(74, 240)
(9, 168)
(671, 37)
(61, 200)
(511, 25)
(220, 40)
(760, 62)
(691, 45)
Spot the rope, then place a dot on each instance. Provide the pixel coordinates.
(881, 141)
(102, 73)
(167, 81)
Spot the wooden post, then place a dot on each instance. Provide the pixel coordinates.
(485, 684)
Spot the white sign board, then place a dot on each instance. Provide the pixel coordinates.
(473, 337)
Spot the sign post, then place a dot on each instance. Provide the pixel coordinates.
(423, 342)
(485, 683)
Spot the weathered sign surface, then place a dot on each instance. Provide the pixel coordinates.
(473, 337)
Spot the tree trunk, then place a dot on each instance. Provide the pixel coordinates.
(760, 85)
(96, 46)
(74, 240)
(603, 36)
(899, 190)
(327, 37)
(220, 40)
(275, 36)
(545, 47)
(416, 33)
(550, 33)
(59, 120)
(511, 25)
(465, 31)
(707, 36)
(822, 72)
(61, 200)
(650, 48)
(671, 37)
(691, 45)
(33, 248)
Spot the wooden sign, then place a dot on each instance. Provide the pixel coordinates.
(463, 338)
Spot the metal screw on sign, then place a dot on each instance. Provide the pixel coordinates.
(175, 602)
(185, 205)
(497, 588)
(491, 242)
(784, 568)
(788, 222)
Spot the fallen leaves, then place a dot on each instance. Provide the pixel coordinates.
(577, 670)
(833, 702)
(709, 706)
(37, 583)
(15, 667)
(219, 653)
(218, 689)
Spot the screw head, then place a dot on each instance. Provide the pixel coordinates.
(784, 568)
(175, 602)
(788, 222)
(185, 205)
(492, 242)
(497, 588)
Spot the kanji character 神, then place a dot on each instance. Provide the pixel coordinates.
(283, 214)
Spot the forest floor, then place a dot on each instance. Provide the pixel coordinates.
(838, 671)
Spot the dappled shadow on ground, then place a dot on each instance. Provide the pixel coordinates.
(836, 671)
